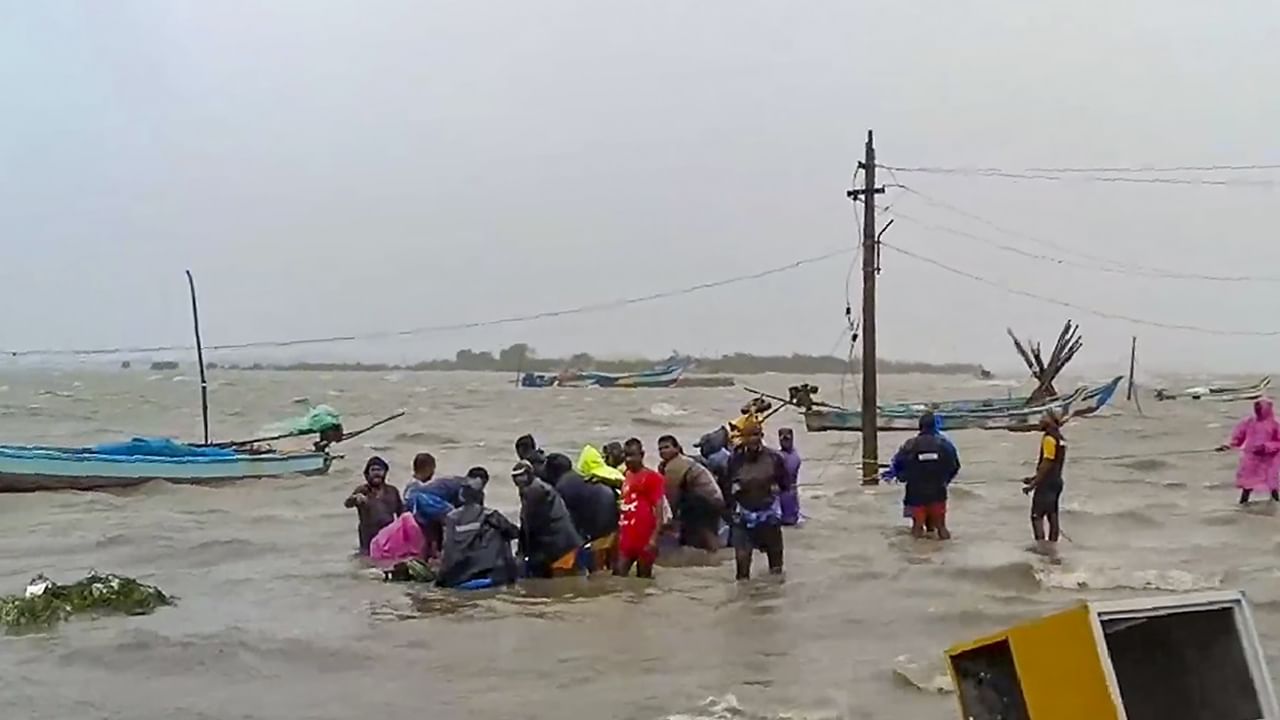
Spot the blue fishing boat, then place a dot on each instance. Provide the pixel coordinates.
(1082, 402)
(665, 376)
(947, 407)
(27, 468)
(659, 377)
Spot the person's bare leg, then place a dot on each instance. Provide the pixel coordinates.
(917, 526)
(774, 553)
(1244, 496)
(1054, 529)
(742, 561)
(1037, 527)
(644, 568)
(623, 565)
(943, 532)
(709, 539)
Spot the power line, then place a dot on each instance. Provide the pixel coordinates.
(1127, 272)
(1081, 308)
(1050, 177)
(1106, 265)
(1131, 169)
(512, 319)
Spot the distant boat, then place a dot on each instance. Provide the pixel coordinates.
(1219, 393)
(32, 468)
(164, 365)
(1084, 401)
(664, 376)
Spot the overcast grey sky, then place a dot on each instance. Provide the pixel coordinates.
(346, 167)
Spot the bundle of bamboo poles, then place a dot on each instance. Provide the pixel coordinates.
(1068, 344)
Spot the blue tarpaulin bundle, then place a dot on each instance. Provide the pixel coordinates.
(159, 447)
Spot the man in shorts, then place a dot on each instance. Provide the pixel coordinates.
(757, 478)
(1045, 487)
(927, 463)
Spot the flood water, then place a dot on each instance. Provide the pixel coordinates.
(276, 620)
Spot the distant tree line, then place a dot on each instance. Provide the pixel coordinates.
(523, 358)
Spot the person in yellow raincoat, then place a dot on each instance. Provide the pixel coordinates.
(592, 466)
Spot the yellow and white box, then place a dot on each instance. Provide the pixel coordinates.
(1182, 657)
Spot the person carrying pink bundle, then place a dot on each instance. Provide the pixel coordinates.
(398, 542)
(1258, 439)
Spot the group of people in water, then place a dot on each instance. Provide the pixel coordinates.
(927, 463)
(613, 509)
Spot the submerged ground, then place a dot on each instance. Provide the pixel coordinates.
(277, 621)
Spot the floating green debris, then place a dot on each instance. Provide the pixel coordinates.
(47, 603)
(410, 571)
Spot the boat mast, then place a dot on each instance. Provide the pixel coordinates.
(870, 268)
(204, 383)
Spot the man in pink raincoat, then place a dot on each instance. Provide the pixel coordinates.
(1258, 439)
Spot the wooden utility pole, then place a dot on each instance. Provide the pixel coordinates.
(870, 268)
(1133, 361)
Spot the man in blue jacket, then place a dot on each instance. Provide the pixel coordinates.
(927, 463)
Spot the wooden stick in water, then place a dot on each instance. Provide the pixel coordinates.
(282, 436)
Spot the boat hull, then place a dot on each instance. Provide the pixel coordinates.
(658, 378)
(944, 407)
(1225, 393)
(28, 469)
(665, 377)
(1084, 401)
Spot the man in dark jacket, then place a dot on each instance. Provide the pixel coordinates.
(927, 463)
(477, 540)
(527, 450)
(549, 542)
(593, 506)
(377, 502)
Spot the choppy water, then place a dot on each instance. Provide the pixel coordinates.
(277, 621)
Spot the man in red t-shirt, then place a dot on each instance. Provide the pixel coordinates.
(643, 492)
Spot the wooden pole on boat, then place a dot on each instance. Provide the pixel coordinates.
(1133, 358)
(870, 268)
(204, 382)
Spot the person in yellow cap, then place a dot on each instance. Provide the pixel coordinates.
(757, 477)
(753, 413)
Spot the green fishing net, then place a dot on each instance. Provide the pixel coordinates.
(317, 420)
(410, 571)
(47, 603)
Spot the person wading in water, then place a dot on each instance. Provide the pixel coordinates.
(1045, 487)
(377, 503)
(927, 463)
(791, 458)
(758, 478)
(643, 499)
(693, 495)
(1258, 438)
